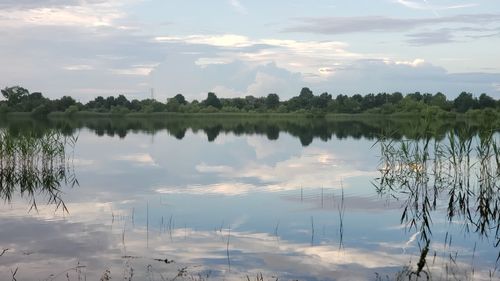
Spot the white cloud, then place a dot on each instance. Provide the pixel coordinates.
(78, 67)
(204, 168)
(236, 4)
(426, 5)
(225, 92)
(225, 189)
(140, 71)
(225, 40)
(314, 59)
(266, 83)
(138, 158)
(414, 63)
(89, 15)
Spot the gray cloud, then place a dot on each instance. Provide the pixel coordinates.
(450, 35)
(342, 25)
(79, 62)
(430, 38)
(361, 76)
(366, 76)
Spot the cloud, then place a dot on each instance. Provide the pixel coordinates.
(425, 5)
(343, 25)
(85, 63)
(285, 67)
(315, 60)
(62, 13)
(236, 4)
(237, 78)
(430, 38)
(225, 40)
(32, 4)
(94, 48)
(143, 159)
(408, 76)
(78, 67)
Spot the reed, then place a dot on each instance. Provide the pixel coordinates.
(33, 164)
(462, 169)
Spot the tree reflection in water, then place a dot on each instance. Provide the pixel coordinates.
(34, 165)
(460, 173)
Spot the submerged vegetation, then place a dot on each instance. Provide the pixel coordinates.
(32, 165)
(18, 99)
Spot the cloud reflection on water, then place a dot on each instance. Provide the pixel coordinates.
(40, 246)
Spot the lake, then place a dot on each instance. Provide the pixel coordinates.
(254, 199)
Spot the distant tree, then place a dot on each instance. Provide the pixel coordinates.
(294, 104)
(395, 97)
(272, 101)
(305, 98)
(63, 103)
(109, 102)
(151, 105)
(321, 101)
(381, 99)
(368, 102)
(180, 99)
(212, 100)
(464, 102)
(135, 105)
(417, 96)
(306, 93)
(427, 98)
(351, 105)
(486, 101)
(122, 101)
(173, 105)
(14, 95)
(439, 100)
(251, 103)
(238, 103)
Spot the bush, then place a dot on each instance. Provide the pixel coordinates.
(209, 109)
(230, 109)
(71, 110)
(42, 110)
(4, 109)
(119, 110)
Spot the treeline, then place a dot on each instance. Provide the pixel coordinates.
(18, 99)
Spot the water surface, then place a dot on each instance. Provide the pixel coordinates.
(288, 200)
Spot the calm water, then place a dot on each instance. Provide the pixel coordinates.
(297, 200)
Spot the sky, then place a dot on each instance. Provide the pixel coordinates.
(87, 48)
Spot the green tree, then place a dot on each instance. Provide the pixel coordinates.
(486, 101)
(395, 97)
(212, 100)
(272, 101)
(321, 101)
(173, 105)
(439, 100)
(63, 103)
(14, 95)
(464, 102)
(180, 99)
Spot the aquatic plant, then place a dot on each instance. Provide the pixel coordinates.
(460, 172)
(33, 164)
